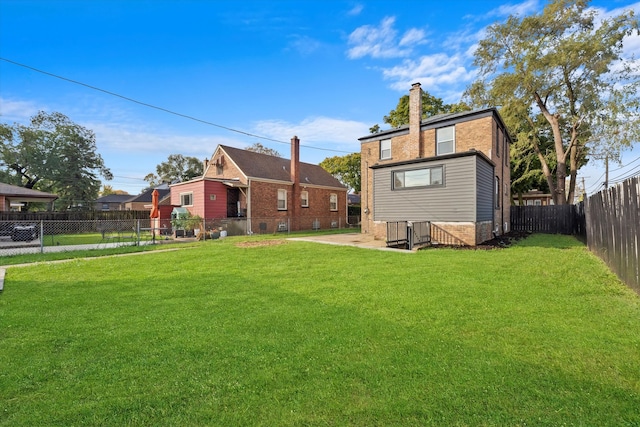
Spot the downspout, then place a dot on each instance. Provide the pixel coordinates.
(248, 196)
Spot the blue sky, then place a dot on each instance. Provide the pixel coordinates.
(323, 70)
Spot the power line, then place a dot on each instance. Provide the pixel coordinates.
(629, 174)
(597, 184)
(165, 110)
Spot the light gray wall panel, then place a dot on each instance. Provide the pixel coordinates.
(455, 201)
(485, 190)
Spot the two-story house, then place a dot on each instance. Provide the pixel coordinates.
(450, 170)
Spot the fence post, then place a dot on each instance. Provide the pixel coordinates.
(41, 236)
(138, 232)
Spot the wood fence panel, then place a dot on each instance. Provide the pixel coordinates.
(613, 229)
(554, 219)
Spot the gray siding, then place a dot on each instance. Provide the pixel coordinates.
(455, 201)
(485, 190)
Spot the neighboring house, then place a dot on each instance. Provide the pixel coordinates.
(142, 201)
(534, 198)
(451, 170)
(12, 197)
(112, 202)
(267, 192)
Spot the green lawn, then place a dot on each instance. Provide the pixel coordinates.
(308, 334)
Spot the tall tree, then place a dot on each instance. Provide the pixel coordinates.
(431, 106)
(345, 169)
(562, 72)
(177, 168)
(53, 154)
(259, 148)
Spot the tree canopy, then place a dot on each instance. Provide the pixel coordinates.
(259, 148)
(177, 168)
(431, 106)
(53, 154)
(560, 77)
(345, 169)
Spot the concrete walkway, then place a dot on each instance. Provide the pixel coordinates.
(359, 240)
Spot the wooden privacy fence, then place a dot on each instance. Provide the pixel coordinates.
(613, 229)
(554, 219)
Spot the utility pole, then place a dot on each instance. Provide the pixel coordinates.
(606, 172)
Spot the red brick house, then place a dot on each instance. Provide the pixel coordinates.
(264, 193)
(451, 171)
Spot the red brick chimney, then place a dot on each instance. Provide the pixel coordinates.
(415, 118)
(295, 160)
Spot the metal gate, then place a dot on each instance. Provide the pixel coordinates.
(407, 234)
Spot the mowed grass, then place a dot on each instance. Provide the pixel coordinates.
(307, 334)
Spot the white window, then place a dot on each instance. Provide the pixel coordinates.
(385, 149)
(418, 178)
(497, 192)
(445, 140)
(186, 199)
(333, 202)
(282, 200)
(304, 198)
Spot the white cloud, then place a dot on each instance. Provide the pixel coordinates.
(120, 138)
(433, 71)
(324, 132)
(17, 111)
(382, 41)
(413, 36)
(518, 9)
(304, 45)
(355, 10)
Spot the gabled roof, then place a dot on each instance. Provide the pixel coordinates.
(24, 194)
(258, 165)
(444, 119)
(146, 196)
(114, 198)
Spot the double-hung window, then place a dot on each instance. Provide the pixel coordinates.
(304, 199)
(186, 199)
(445, 140)
(385, 149)
(282, 200)
(333, 202)
(413, 178)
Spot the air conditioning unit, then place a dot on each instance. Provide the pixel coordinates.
(282, 226)
(334, 224)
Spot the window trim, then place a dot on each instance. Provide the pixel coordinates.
(304, 198)
(283, 192)
(453, 140)
(388, 140)
(333, 200)
(413, 187)
(497, 192)
(182, 197)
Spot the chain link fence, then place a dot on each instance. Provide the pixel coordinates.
(44, 236)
